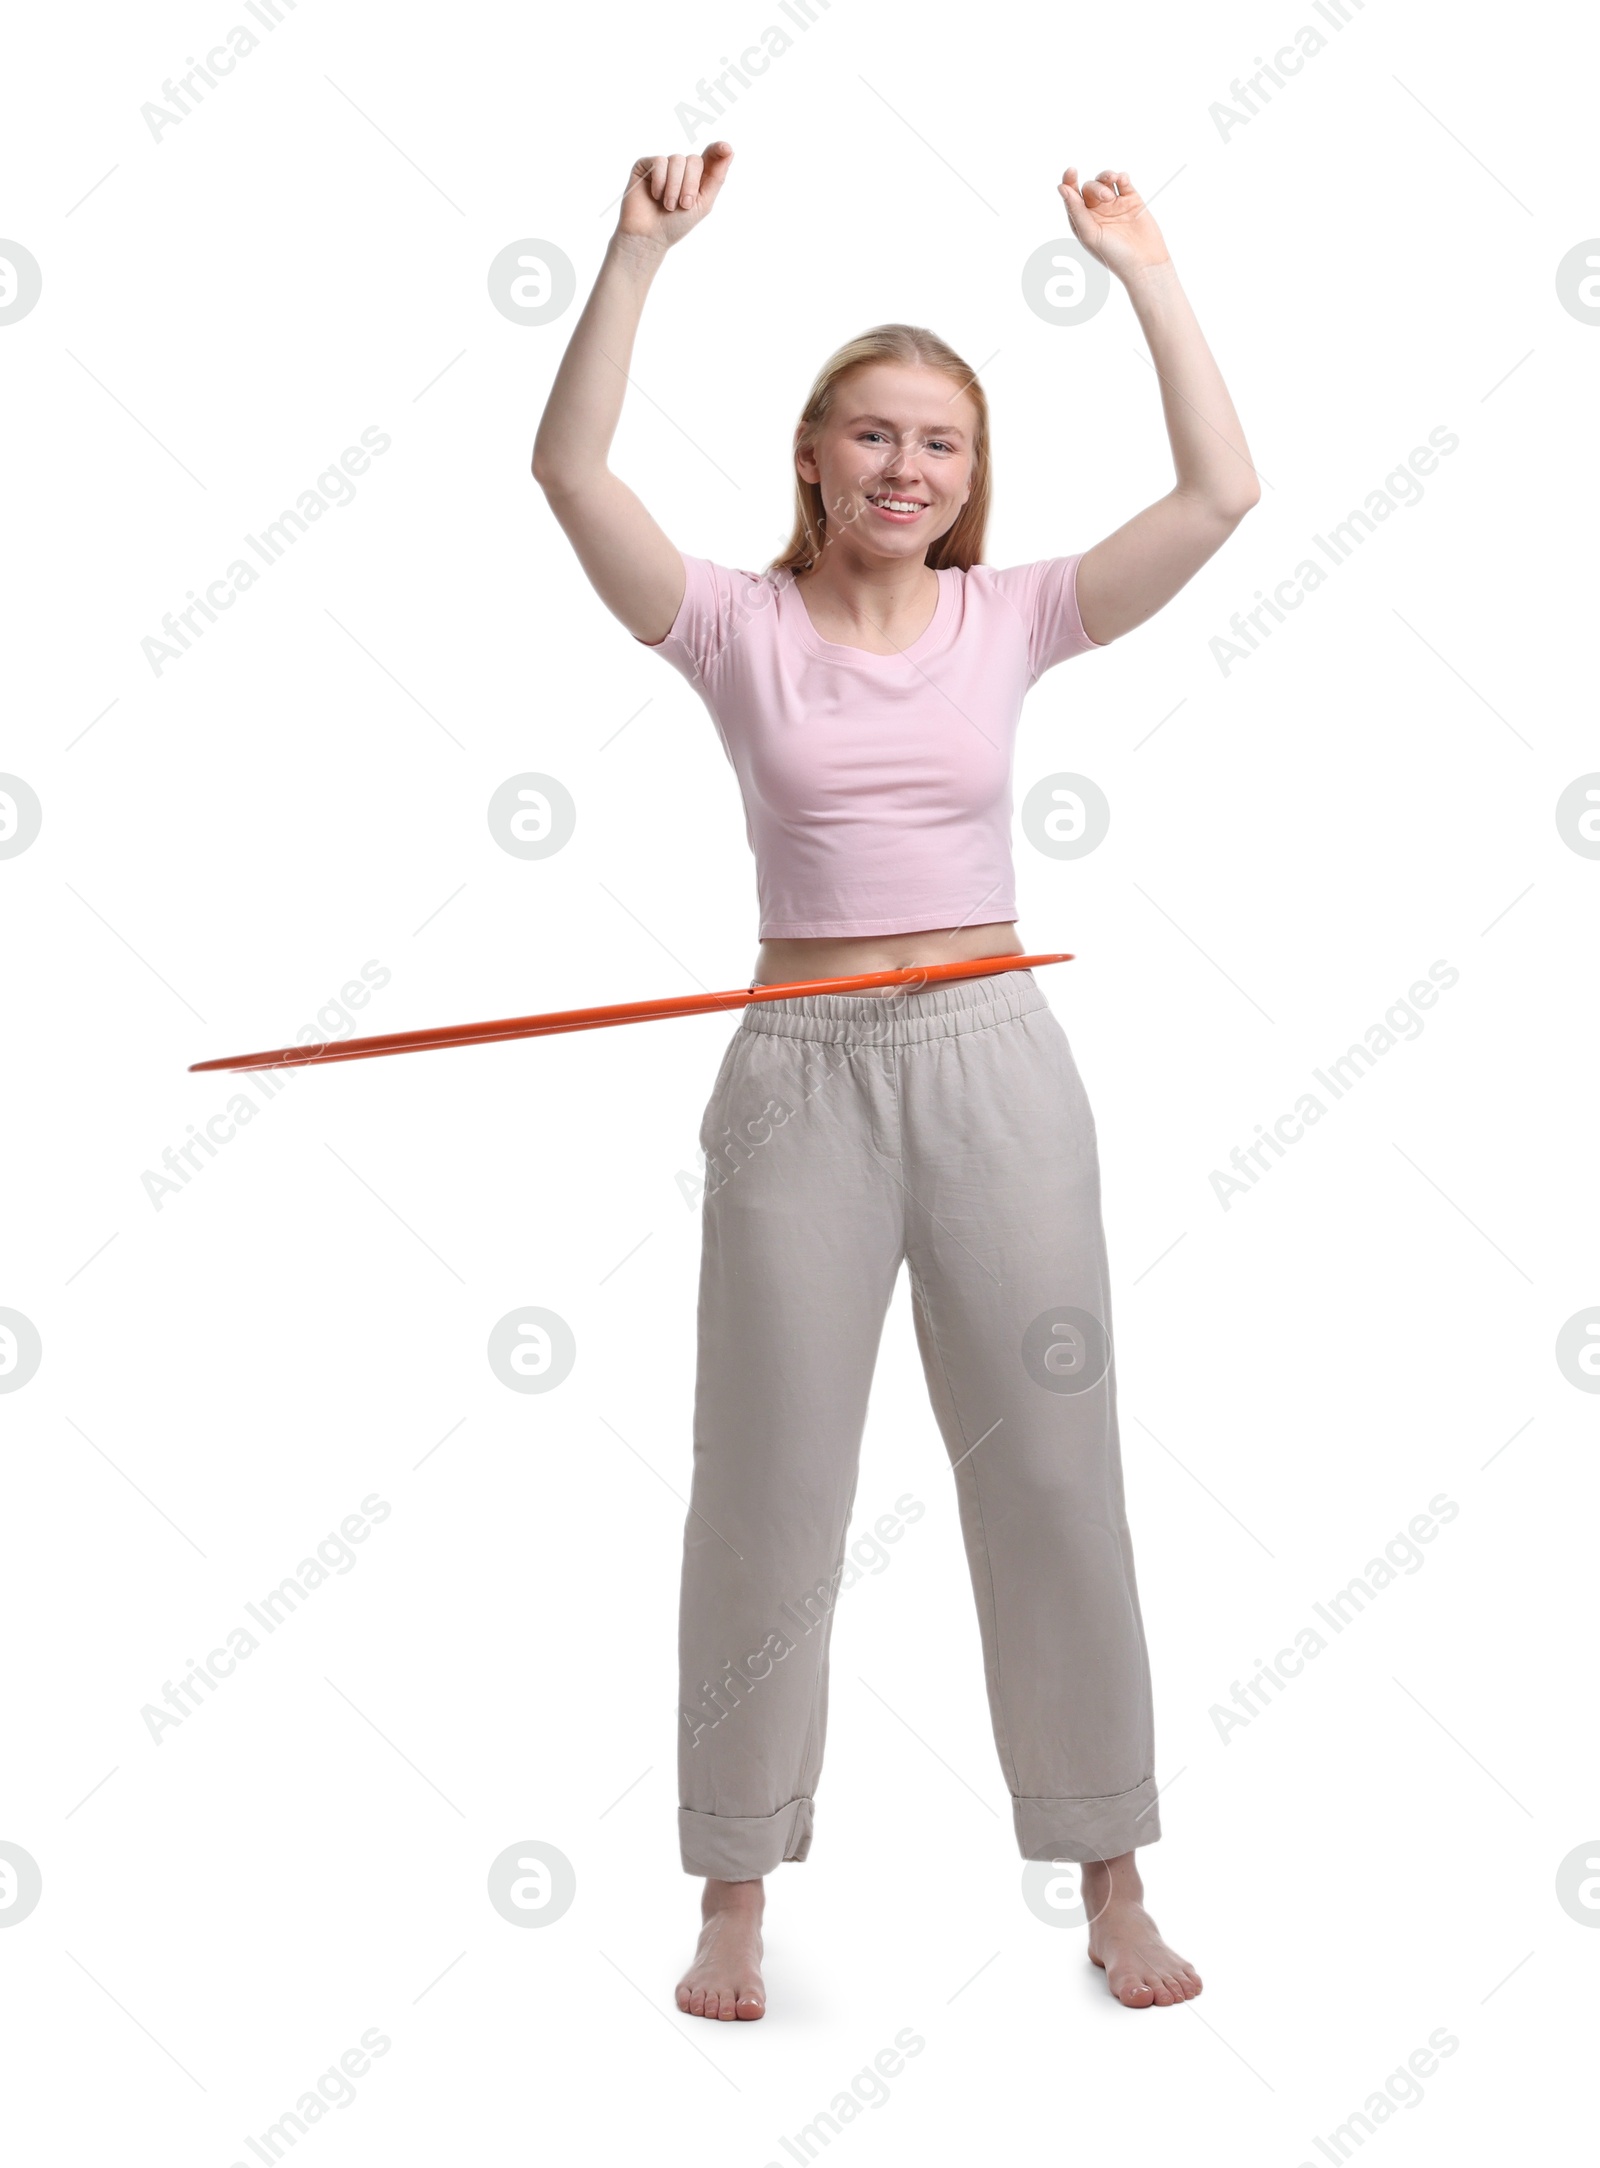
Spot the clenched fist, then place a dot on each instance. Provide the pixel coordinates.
(667, 197)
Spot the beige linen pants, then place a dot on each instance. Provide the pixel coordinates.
(845, 1132)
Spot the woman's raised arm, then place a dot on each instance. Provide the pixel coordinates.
(1134, 571)
(632, 565)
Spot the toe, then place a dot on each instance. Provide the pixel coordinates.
(697, 2002)
(725, 2009)
(749, 2005)
(1164, 1996)
(1137, 1994)
(683, 1996)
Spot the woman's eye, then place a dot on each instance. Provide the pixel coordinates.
(941, 444)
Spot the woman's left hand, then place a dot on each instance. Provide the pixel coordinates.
(1110, 219)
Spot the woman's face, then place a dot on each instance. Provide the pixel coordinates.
(894, 459)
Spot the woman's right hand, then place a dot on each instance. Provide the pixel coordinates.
(667, 197)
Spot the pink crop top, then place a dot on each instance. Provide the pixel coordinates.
(877, 788)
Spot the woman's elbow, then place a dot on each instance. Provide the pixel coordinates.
(562, 486)
(1214, 510)
(1239, 497)
(555, 467)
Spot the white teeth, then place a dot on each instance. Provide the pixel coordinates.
(897, 504)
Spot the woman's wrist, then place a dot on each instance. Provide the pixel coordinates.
(639, 251)
(1149, 278)
(1155, 293)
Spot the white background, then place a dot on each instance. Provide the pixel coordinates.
(226, 1377)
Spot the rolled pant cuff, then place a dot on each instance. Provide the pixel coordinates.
(739, 1847)
(1085, 1829)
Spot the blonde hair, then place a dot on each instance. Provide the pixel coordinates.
(962, 545)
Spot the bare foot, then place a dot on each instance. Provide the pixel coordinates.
(724, 1980)
(1140, 1970)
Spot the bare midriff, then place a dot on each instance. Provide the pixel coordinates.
(784, 962)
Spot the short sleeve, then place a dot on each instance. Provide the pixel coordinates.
(1045, 595)
(717, 600)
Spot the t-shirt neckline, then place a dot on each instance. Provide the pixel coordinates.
(931, 634)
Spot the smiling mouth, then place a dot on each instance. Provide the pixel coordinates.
(901, 508)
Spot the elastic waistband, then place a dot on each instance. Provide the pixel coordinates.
(899, 1016)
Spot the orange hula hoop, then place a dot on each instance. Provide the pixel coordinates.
(624, 1012)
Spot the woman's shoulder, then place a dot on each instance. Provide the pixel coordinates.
(1042, 595)
(720, 603)
(729, 582)
(1010, 579)
(727, 570)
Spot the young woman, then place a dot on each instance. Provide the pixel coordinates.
(866, 688)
